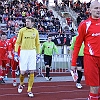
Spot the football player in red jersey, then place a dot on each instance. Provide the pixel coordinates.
(3, 56)
(14, 64)
(7, 65)
(89, 33)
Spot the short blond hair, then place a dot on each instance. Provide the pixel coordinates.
(30, 18)
(95, 2)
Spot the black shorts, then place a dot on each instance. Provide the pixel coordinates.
(47, 60)
(80, 61)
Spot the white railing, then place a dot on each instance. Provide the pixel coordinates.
(60, 64)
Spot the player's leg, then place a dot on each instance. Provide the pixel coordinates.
(4, 62)
(46, 62)
(7, 69)
(99, 79)
(1, 77)
(47, 72)
(50, 62)
(31, 67)
(94, 93)
(79, 71)
(21, 86)
(17, 70)
(23, 67)
(99, 91)
(1, 73)
(91, 72)
(14, 67)
(78, 83)
(30, 83)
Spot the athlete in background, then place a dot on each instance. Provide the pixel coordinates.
(80, 64)
(3, 56)
(14, 64)
(48, 48)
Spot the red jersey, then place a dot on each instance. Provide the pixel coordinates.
(89, 32)
(3, 50)
(12, 42)
(7, 41)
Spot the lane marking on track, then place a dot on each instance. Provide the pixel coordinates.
(55, 92)
(44, 86)
(75, 99)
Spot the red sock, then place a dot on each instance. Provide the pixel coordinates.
(7, 70)
(13, 74)
(3, 74)
(14, 80)
(99, 93)
(93, 96)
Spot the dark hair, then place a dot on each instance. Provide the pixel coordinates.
(49, 35)
(3, 34)
(30, 18)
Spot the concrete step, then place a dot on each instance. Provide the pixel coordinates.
(42, 79)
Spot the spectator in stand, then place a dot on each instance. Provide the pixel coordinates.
(1, 8)
(69, 21)
(79, 19)
(14, 13)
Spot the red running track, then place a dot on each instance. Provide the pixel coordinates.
(46, 91)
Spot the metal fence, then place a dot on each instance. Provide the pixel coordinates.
(60, 64)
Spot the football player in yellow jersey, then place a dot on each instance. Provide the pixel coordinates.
(28, 39)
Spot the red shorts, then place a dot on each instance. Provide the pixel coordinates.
(3, 63)
(92, 70)
(14, 64)
(0, 62)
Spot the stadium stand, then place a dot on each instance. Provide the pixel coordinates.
(13, 15)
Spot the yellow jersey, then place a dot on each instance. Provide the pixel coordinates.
(28, 39)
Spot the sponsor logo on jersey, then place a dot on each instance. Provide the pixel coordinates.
(96, 34)
(98, 24)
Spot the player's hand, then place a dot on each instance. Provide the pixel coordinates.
(73, 68)
(38, 58)
(16, 58)
(10, 56)
(74, 73)
(57, 54)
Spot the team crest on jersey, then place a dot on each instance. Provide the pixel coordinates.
(5, 45)
(33, 34)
